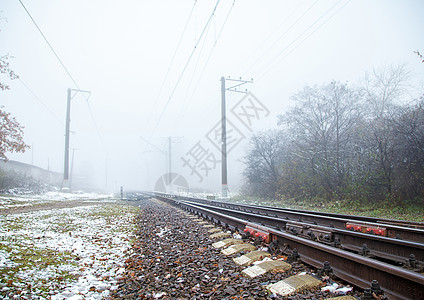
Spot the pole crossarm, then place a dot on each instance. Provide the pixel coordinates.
(241, 82)
(158, 150)
(82, 91)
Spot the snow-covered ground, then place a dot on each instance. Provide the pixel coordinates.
(12, 201)
(68, 253)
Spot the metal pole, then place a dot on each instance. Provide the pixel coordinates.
(169, 154)
(72, 168)
(68, 121)
(65, 183)
(106, 174)
(223, 140)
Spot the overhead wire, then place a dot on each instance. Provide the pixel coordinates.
(66, 70)
(271, 64)
(195, 67)
(221, 30)
(96, 127)
(41, 102)
(185, 67)
(172, 59)
(50, 46)
(282, 35)
(277, 28)
(208, 59)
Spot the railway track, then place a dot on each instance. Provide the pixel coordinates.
(356, 256)
(404, 230)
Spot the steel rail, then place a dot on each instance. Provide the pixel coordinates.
(413, 224)
(403, 223)
(382, 247)
(397, 283)
(393, 231)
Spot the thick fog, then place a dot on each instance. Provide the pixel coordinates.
(154, 67)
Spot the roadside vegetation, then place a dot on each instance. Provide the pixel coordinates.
(351, 148)
(409, 210)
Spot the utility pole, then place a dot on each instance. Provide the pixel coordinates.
(170, 140)
(169, 154)
(48, 168)
(106, 174)
(66, 184)
(72, 168)
(233, 88)
(170, 177)
(224, 187)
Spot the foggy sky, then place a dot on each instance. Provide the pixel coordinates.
(121, 51)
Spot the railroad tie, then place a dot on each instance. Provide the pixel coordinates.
(342, 298)
(219, 235)
(267, 266)
(227, 243)
(294, 284)
(250, 258)
(234, 249)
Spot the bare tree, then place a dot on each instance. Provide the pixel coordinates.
(383, 90)
(363, 143)
(264, 162)
(7, 71)
(11, 135)
(323, 123)
(408, 137)
(419, 55)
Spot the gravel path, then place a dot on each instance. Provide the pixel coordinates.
(46, 206)
(172, 258)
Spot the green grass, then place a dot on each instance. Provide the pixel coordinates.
(25, 256)
(28, 259)
(388, 209)
(37, 271)
(14, 225)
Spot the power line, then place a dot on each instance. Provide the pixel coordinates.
(185, 67)
(209, 57)
(271, 64)
(41, 101)
(50, 46)
(193, 73)
(64, 67)
(173, 58)
(265, 40)
(43, 104)
(96, 127)
(281, 36)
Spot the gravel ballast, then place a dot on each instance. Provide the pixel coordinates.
(173, 258)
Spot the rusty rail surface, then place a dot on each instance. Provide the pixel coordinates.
(376, 246)
(409, 231)
(397, 282)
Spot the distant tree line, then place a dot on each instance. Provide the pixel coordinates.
(363, 142)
